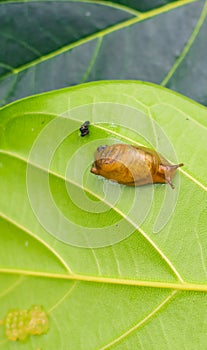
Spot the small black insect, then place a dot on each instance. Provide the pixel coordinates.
(84, 128)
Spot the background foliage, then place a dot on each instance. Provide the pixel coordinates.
(47, 45)
(147, 291)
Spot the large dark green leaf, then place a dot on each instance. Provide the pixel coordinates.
(47, 45)
(149, 289)
(142, 5)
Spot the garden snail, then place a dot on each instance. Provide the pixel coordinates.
(132, 165)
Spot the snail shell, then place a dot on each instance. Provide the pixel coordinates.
(132, 165)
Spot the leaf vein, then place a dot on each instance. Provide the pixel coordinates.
(140, 323)
(187, 46)
(5, 217)
(183, 286)
(181, 112)
(69, 292)
(12, 287)
(93, 60)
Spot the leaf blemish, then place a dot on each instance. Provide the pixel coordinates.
(19, 324)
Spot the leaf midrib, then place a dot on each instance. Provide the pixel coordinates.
(184, 286)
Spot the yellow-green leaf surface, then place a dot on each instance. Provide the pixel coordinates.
(113, 266)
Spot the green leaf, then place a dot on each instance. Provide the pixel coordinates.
(110, 264)
(141, 5)
(47, 45)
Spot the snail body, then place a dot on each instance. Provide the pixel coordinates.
(132, 165)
